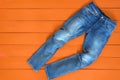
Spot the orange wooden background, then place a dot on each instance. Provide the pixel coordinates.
(26, 24)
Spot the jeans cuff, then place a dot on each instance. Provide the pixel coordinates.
(47, 73)
(32, 66)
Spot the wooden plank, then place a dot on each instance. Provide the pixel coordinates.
(35, 26)
(92, 74)
(22, 74)
(30, 26)
(56, 4)
(11, 62)
(48, 14)
(40, 38)
(77, 75)
(28, 50)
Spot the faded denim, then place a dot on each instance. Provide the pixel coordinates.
(90, 20)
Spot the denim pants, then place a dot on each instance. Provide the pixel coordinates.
(90, 20)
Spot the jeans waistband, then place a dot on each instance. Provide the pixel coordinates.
(94, 9)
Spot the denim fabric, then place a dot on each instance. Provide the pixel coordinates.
(90, 20)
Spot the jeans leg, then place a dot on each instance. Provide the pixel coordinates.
(92, 47)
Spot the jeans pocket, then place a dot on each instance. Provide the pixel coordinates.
(109, 27)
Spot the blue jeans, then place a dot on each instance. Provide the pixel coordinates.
(90, 20)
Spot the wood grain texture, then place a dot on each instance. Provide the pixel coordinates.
(81, 74)
(47, 14)
(40, 38)
(10, 62)
(25, 25)
(28, 50)
(36, 26)
(56, 4)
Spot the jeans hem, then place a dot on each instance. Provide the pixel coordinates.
(32, 66)
(47, 73)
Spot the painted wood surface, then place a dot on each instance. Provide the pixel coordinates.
(26, 24)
